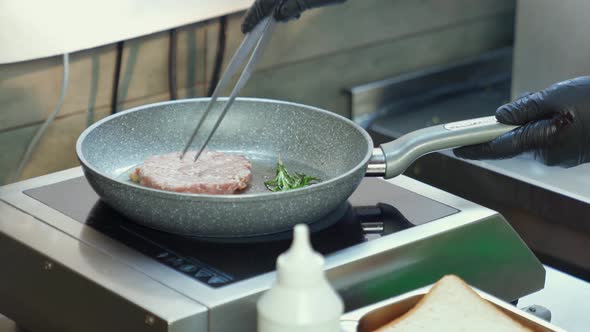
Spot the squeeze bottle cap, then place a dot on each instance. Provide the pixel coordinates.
(300, 266)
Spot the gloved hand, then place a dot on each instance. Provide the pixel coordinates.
(555, 126)
(283, 10)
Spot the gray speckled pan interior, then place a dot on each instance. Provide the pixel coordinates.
(308, 139)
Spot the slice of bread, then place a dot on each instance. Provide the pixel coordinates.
(452, 306)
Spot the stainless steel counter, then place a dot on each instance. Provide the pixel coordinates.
(476, 99)
(567, 297)
(572, 182)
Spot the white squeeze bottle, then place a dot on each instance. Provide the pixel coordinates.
(301, 299)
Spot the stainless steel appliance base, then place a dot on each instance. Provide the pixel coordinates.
(62, 274)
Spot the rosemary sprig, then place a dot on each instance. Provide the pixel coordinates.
(284, 181)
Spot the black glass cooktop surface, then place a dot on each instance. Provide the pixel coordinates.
(376, 209)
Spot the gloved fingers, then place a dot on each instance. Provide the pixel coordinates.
(527, 108)
(290, 9)
(293, 8)
(543, 104)
(256, 13)
(284, 11)
(524, 94)
(532, 136)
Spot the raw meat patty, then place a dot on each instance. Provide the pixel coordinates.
(213, 173)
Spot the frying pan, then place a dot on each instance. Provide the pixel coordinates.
(308, 139)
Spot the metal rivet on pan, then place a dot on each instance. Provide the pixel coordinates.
(47, 265)
(150, 320)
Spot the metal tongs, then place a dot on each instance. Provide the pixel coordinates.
(256, 39)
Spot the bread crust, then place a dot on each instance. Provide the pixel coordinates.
(428, 295)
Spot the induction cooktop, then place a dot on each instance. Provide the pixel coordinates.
(370, 213)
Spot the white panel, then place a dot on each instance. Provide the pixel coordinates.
(31, 29)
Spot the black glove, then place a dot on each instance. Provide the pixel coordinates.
(555, 126)
(283, 10)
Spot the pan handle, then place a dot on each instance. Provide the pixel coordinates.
(393, 158)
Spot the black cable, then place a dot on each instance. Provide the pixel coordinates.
(117, 73)
(219, 55)
(172, 65)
